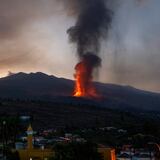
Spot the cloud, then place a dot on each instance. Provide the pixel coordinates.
(33, 38)
(132, 50)
(28, 29)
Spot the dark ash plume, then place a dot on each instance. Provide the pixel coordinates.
(93, 22)
(91, 60)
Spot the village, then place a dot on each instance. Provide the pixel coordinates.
(32, 144)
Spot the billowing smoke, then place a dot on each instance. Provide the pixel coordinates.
(93, 21)
(92, 25)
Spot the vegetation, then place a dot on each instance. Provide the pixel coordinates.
(9, 128)
(76, 151)
(87, 121)
(12, 155)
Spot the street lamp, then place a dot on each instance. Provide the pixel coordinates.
(4, 122)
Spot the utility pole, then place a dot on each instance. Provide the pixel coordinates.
(3, 139)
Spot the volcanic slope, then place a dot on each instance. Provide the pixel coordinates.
(40, 86)
(47, 115)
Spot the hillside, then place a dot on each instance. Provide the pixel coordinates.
(54, 115)
(39, 86)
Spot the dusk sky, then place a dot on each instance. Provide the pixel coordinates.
(33, 38)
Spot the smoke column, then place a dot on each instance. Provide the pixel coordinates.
(92, 25)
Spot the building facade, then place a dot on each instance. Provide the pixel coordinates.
(31, 153)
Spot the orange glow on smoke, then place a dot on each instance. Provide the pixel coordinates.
(83, 81)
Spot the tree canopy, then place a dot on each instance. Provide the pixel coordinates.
(76, 151)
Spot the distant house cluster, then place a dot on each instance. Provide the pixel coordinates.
(39, 148)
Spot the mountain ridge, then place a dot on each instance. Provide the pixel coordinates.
(40, 86)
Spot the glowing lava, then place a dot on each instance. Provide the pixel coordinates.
(84, 86)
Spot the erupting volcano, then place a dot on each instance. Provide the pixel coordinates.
(84, 70)
(92, 25)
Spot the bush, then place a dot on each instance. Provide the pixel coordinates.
(76, 151)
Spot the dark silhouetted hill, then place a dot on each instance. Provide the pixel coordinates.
(39, 86)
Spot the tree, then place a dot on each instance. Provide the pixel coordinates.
(12, 155)
(76, 151)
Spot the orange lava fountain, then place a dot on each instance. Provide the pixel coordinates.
(83, 77)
